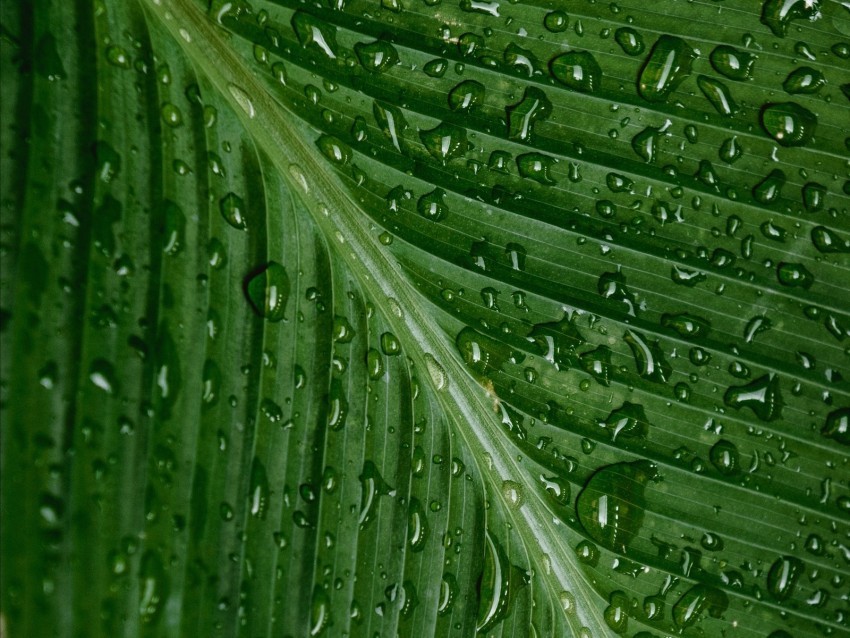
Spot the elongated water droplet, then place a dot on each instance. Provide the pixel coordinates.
(698, 599)
(794, 275)
(783, 576)
(668, 65)
(827, 240)
(372, 485)
(718, 94)
(233, 210)
(649, 357)
(314, 33)
(522, 116)
(268, 291)
(391, 121)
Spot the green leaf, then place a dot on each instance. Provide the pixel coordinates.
(425, 318)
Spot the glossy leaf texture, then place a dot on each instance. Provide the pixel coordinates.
(425, 317)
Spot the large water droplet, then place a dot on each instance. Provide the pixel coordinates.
(391, 121)
(233, 210)
(788, 123)
(777, 14)
(466, 96)
(611, 506)
(628, 421)
(724, 456)
(718, 94)
(783, 576)
(649, 357)
(536, 166)
(668, 65)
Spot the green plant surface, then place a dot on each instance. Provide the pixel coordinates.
(425, 318)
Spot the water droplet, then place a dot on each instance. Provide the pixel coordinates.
(438, 375)
(628, 421)
(374, 364)
(417, 526)
(730, 150)
(116, 56)
(805, 80)
(837, 426)
(466, 96)
(334, 149)
(154, 586)
(645, 143)
(377, 56)
(372, 486)
(496, 583)
(698, 599)
(828, 241)
(392, 122)
(578, 70)
(813, 196)
(320, 612)
(268, 291)
(522, 116)
(536, 166)
(337, 405)
(448, 592)
(794, 275)
(668, 65)
(649, 357)
(102, 375)
(718, 94)
(783, 576)
(630, 41)
(762, 396)
(734, 64)
(171, 115)
(513, 493)
(432, 205)
(686, 325)
(233, 210)
(556, 21)
(611, 506)
(436, 68)
(769, 189)
(612, 285)
(556, 341)
(777, 14)
(481, 353)
(314, 33)
(788, 123)
(258, 490)
(616, 613)
(241, 98)
(445, 141)
(521, 61)
(597, 363)
(724, 456)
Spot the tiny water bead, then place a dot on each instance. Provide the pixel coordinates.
(268, 291)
